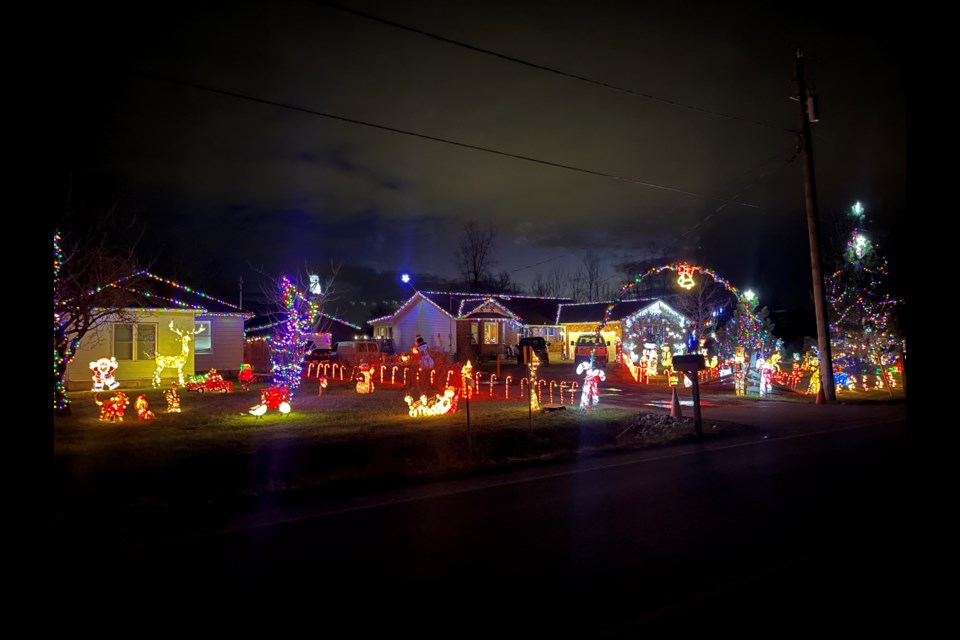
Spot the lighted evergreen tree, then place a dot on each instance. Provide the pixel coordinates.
(861, 307)
(299, 316)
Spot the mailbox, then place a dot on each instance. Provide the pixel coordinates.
(689, 363)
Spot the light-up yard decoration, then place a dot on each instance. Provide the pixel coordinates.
(438, 405)
(466, 380)
(113, 408)
(245, 377)
(649, 359)
(422, 353)
(365, 378)
(212, 382)
(685, 275)
(272, 398)
(534, 387)
(176, 361)
(590, 392)
(739, 373)
(322, 386)
(103, 369)
(143, 408)
(173, 399)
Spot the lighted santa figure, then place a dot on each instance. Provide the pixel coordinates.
(590, 393)
(103, 373)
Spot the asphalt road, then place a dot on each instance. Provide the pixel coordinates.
(800, 524)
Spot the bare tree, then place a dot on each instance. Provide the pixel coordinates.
(94, 268)
(592, 266)
(539, 286)
(701, 303)
(473, 256)
(557, 282)
(576, 285)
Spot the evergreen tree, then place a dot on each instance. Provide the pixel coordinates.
(861, 307)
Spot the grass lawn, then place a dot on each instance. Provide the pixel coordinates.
(215, 448)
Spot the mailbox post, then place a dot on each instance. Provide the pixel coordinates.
(690, 364)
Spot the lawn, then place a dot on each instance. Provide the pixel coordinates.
(214, 447)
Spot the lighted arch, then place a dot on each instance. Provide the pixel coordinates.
(749, 335)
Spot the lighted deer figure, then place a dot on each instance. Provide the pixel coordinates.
(175, 362)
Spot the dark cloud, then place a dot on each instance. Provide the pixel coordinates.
(224, 183)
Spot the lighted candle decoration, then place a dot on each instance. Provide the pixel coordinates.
(466, 380)
(533, 383)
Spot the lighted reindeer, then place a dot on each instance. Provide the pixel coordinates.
(175, 362)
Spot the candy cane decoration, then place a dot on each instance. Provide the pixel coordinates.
(341, 373)
(553, 383)
(562, 385)
(393, 375)
(540, 383)
(383, 368)
(522, 380)
(333, 370)
(310, 369)
(493, 377)
(573, 390)
(433, 372)
(506, 387)
(449, 373)
(405, 369)
(326, 368)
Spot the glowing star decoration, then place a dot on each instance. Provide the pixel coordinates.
(438, 405)
(143, 411)
(365, 379)
(103, 374)
(405, 278)
(173, 400)
(685, 276)
(245, 377)
(860, 244)
(176, 361)
(112, 409)
(590, 392)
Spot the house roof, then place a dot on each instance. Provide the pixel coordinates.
(154, 292)
(528, 310)
(262, 326)
(595, 311)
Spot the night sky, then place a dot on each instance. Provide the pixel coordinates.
(699, 112)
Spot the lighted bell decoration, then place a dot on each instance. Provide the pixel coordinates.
(685, 276)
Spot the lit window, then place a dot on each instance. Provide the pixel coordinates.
(203, 342)
(134, 341)
(489, 333)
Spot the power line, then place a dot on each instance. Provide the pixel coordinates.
(282, 105)
(534, 65)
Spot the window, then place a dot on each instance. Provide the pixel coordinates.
(474, 333)
(134, 341)
(203, 342)
(489, 333)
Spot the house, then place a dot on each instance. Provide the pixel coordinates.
(256, 350)
(627, 322)
(172, 324)
(469, 325)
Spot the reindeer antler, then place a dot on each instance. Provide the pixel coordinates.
(175, 330)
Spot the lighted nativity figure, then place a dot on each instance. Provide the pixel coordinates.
(590, 391)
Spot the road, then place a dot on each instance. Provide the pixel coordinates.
(799, 524)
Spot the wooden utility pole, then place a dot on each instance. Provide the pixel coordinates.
(807, 106)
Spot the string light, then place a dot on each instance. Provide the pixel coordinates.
(286, 343)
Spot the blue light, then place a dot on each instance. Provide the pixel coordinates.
(405, 278)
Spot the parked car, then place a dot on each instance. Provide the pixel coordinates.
(351, 352)
(318, 355)
(587, 344)
(539, 346)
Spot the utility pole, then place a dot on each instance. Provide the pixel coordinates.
(807, 108)
(240, 282)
